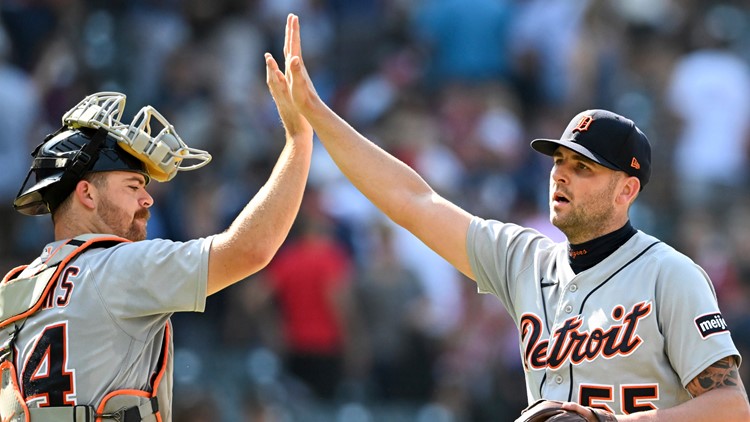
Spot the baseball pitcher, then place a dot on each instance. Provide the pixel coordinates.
(614, 324)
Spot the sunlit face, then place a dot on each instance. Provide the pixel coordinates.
(123, 206)
(582, 196)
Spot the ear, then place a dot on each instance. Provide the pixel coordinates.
(629, 188)
(86, 193)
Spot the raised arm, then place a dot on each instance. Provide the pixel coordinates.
(391, 185)
(259, 230)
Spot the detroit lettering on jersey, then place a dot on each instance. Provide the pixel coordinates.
(569, 343)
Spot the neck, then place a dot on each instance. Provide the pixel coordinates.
(591, 231)
(68, 232)
(68, 226)
(585, 255)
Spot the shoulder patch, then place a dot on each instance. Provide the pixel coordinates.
(711, 324)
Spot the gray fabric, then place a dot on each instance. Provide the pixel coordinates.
(596, 342)
(112, 307)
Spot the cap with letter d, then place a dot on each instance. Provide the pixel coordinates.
(607, 138)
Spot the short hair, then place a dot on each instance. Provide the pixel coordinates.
(96, 178)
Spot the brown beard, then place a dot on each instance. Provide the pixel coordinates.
(586, 223)
(122, 225)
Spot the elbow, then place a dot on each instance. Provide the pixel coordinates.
(238, 260)
(407, 212)
(257, 258)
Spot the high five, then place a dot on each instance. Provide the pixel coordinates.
(391, 185)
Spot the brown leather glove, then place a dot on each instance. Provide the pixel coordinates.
(552, 411)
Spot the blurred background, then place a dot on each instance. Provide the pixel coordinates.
(355, 320)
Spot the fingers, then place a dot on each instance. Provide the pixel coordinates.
(293, 122)
(292, 39)
(271, 65)
(298, 85)
(273, 74)
(581, 410)
(292, 43)
(276, 81)
(298, 74)
(279, 82)
(288, 36)
(296, 47)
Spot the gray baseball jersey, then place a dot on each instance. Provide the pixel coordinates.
(627, 334)
(102, 327)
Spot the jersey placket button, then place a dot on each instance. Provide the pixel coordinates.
(559, 379)
(573, 287)
(568, 309)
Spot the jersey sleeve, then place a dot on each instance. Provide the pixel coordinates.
(499, 253)
(151, 277)
(695, 332)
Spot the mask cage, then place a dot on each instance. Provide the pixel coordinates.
(149, 137)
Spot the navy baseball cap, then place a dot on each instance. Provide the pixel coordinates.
(606, 138)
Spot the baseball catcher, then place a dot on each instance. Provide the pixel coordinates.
(85, 332)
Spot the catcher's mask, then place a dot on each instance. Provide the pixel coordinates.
(93, 139)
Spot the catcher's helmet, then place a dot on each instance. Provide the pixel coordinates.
(63, 159)
(93, 138)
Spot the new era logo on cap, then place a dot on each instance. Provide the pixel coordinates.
(606, 138)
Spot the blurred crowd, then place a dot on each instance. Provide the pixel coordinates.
(355, 320)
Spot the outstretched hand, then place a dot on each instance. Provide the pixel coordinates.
(294, 81)
(294, 123)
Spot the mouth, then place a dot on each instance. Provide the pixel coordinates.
(560, 198)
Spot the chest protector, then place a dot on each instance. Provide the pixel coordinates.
(22, 293)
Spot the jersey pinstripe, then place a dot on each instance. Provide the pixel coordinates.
(627, 334)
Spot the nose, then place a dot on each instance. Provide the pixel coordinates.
(558, 174)
(146, 200)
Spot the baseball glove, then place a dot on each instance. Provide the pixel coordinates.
(552, 411)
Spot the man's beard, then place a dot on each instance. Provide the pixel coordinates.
(583, 222)
(120, 223)
(590, 221)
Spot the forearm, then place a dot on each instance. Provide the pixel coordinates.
(392, 186)
(259, 230)
(722, 404)
(395, 188)
(387, 182)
